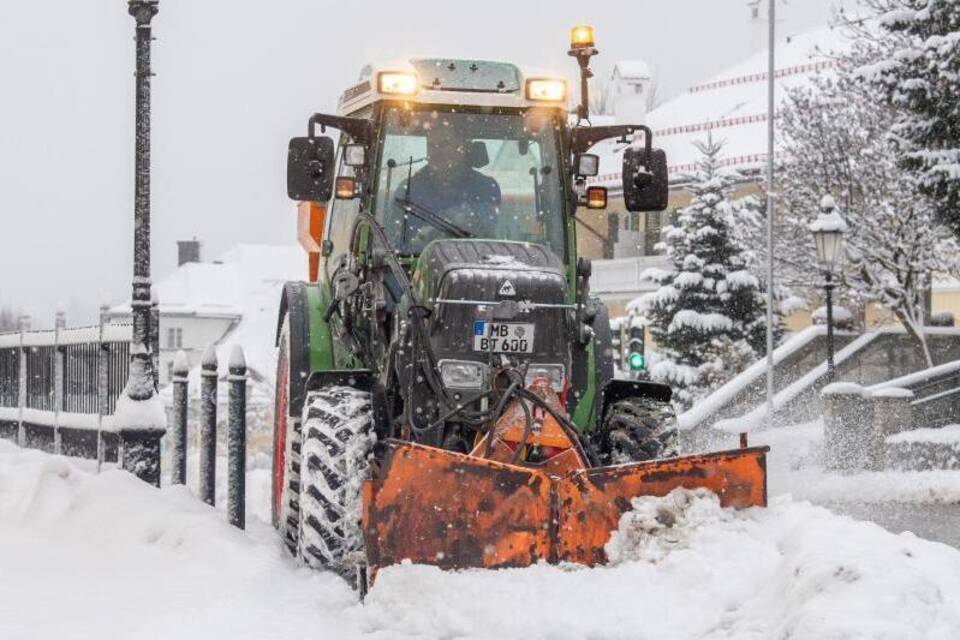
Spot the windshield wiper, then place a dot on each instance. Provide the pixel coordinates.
(431, 218)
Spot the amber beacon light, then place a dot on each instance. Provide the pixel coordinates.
(581, 37)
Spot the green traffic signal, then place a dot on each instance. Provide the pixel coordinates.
(635, 361)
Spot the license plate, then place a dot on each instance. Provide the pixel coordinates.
(503, 337)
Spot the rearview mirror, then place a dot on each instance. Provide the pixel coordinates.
(645, 181)
(310, 169)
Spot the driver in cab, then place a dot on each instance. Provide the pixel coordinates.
(448, 197)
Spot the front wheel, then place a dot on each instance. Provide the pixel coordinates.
(337, 440)
(640, 429)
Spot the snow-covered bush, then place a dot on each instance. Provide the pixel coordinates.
(708, 316)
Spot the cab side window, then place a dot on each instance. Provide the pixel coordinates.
(340, 221)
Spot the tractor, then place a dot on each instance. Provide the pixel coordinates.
(445, 386)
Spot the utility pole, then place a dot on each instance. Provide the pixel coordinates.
(139, 416)
(771, 86)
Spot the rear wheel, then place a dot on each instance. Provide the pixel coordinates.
(337, 439)
(640, 429)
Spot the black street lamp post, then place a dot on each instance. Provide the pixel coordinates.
(139, 417)
(828, 230)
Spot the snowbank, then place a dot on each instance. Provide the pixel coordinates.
(94, 556)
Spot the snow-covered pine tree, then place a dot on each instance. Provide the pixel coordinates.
(918, 78)
(706, 313)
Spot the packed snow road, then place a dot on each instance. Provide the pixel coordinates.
(105, 556)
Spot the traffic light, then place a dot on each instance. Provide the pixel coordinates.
(635, 356)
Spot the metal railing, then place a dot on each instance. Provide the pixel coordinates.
(59, 387)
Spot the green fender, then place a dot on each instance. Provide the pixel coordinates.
(311, 343)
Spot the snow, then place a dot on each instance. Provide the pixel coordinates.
(166, 565)
(209, 359)
(842, 389)
(180, 364)
(949, 434)
(891, 392)
(919, 377)
(237, 361)
(828, 223)
(632, 69)
(793, 468)
(131, 413)
(758, 417)
(732, 105)
(715, 401)
(840, 314)
(10, 339)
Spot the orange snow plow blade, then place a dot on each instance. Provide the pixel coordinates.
(458, 511)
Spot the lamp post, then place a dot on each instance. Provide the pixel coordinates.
(828, 230)
(139, 416)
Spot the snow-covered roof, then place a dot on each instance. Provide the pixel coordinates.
(732, 105)
(221, 288)
(631, 69)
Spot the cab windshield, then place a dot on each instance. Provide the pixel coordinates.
(454, 174)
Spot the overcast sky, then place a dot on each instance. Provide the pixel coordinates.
(235, 79)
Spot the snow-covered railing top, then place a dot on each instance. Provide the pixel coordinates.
(759, 416)
(64, 336)
(920, 378)
(713, 403)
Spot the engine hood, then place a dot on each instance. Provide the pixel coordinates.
(467, 282)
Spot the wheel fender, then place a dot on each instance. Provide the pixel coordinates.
(294, 305)
(615, 390)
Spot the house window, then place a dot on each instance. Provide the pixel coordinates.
(174, 338)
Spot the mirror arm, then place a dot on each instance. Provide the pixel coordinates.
(360, 129)
(582, 138)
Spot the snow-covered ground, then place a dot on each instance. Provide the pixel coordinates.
(105, 556)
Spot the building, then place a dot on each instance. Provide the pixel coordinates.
(232, 299)
(731, 107)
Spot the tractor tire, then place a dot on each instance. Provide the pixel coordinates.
(337, 441)
(285, 498)
(640, 429)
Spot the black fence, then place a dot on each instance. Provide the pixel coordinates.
(58, 388)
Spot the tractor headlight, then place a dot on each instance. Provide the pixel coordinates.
(463, 374)
(546, 89)
(397, 83)
(552, 372)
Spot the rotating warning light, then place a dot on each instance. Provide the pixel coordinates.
(397, 83)
(581, 37)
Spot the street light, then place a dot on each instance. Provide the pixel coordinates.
(139, 416)
(828, 230)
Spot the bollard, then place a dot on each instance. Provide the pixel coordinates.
(892, 414)
(846, 427)
(208, 426)
(181, 369)
(237, 439)
(139, 452)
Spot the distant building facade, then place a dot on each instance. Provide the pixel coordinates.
(207, 303)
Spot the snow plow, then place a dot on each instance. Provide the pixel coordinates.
(445, 381)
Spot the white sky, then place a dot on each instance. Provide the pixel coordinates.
(235, 79)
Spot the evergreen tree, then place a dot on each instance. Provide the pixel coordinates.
(918, 78)
(708, 316)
